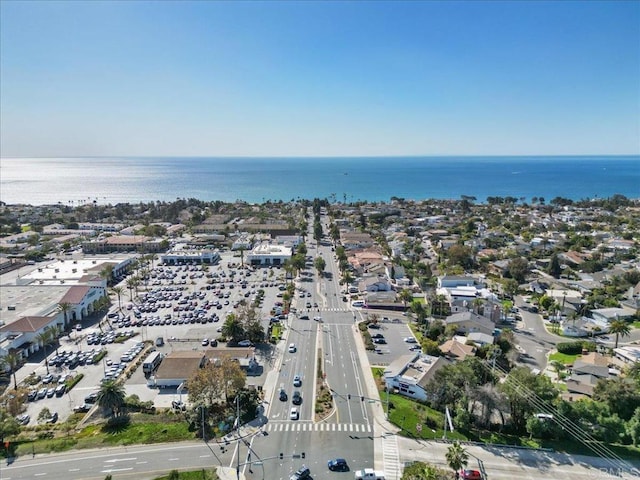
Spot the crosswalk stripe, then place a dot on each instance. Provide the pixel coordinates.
(282, 426)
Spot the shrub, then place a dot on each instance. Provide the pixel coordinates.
(575, 348)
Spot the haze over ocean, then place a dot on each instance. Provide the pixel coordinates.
(41, 181)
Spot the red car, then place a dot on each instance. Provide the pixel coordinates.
(470, 475)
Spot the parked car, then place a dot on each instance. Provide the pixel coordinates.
(23, 419)
(84, 408)
(245, 343)
(53, 418)
(410, 340)
(338, 465)
(91, 398)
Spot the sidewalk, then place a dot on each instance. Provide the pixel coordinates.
(382, 429)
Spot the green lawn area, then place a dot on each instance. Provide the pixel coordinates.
(636, 324)
(201, 474)
(155, 429)
(564, 358)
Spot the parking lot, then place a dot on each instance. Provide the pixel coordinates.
(394, 330)
(183, 305)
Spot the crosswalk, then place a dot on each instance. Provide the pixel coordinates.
(391, 457)
(318, 427)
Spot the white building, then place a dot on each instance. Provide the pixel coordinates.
(182, 253)
(409, 374)
(266, 254)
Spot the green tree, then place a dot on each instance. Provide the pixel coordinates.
(8, 424)
(633, 427)
(65, 308)
(518, 269)
(424, 471)
(406, 296)
(620, 328)
(622, 395)
(520, 385)
(11, 362)
(320, 265)
(111, 397)
(118, 293)
(457, 457)
(45, 338)
(554, 266)
(233, 328)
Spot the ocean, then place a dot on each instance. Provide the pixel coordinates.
(73, 181)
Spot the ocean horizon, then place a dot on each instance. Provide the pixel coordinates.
(112, 180)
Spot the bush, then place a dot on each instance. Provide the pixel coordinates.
(74, 381)
(569, 348)
(575, 348)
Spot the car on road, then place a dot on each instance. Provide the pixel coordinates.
(292, 348)
(297, 381)
(300, 474)
(283, 396)
(304, 317)
(294, 414)
(297, 398)
(467, 474)
(338, 465)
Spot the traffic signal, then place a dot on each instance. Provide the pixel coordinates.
(303, 455)
(281, 456)
(349, 396)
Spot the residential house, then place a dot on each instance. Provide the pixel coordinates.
(468, 322)
(409, 374)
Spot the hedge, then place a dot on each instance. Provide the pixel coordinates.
(575, 348)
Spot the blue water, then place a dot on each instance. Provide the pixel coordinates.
(114, 180)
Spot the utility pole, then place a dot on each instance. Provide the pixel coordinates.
(238, 433)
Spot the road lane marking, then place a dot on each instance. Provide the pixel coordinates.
(116, 470)
(121, 459)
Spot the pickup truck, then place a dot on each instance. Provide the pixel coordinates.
(369, 474)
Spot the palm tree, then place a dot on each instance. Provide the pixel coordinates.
(457, 457)
(131, 284)
(620, 328)
(111, 397)
(11, 360)
(45, 337)
(65, 308)
(477, 303)
(406, 296)
(107, 273)
(118, 291)
(558, 367)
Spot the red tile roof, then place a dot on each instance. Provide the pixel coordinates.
(27, 324)
(75, 294)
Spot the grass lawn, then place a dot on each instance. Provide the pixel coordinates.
(156, 429)
(193, 475)
(563, 358)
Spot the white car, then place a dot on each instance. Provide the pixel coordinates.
(292, 348)
(410, 340)
(245, 343)
(294, 414)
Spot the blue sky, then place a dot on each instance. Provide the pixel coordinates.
(319, 78)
